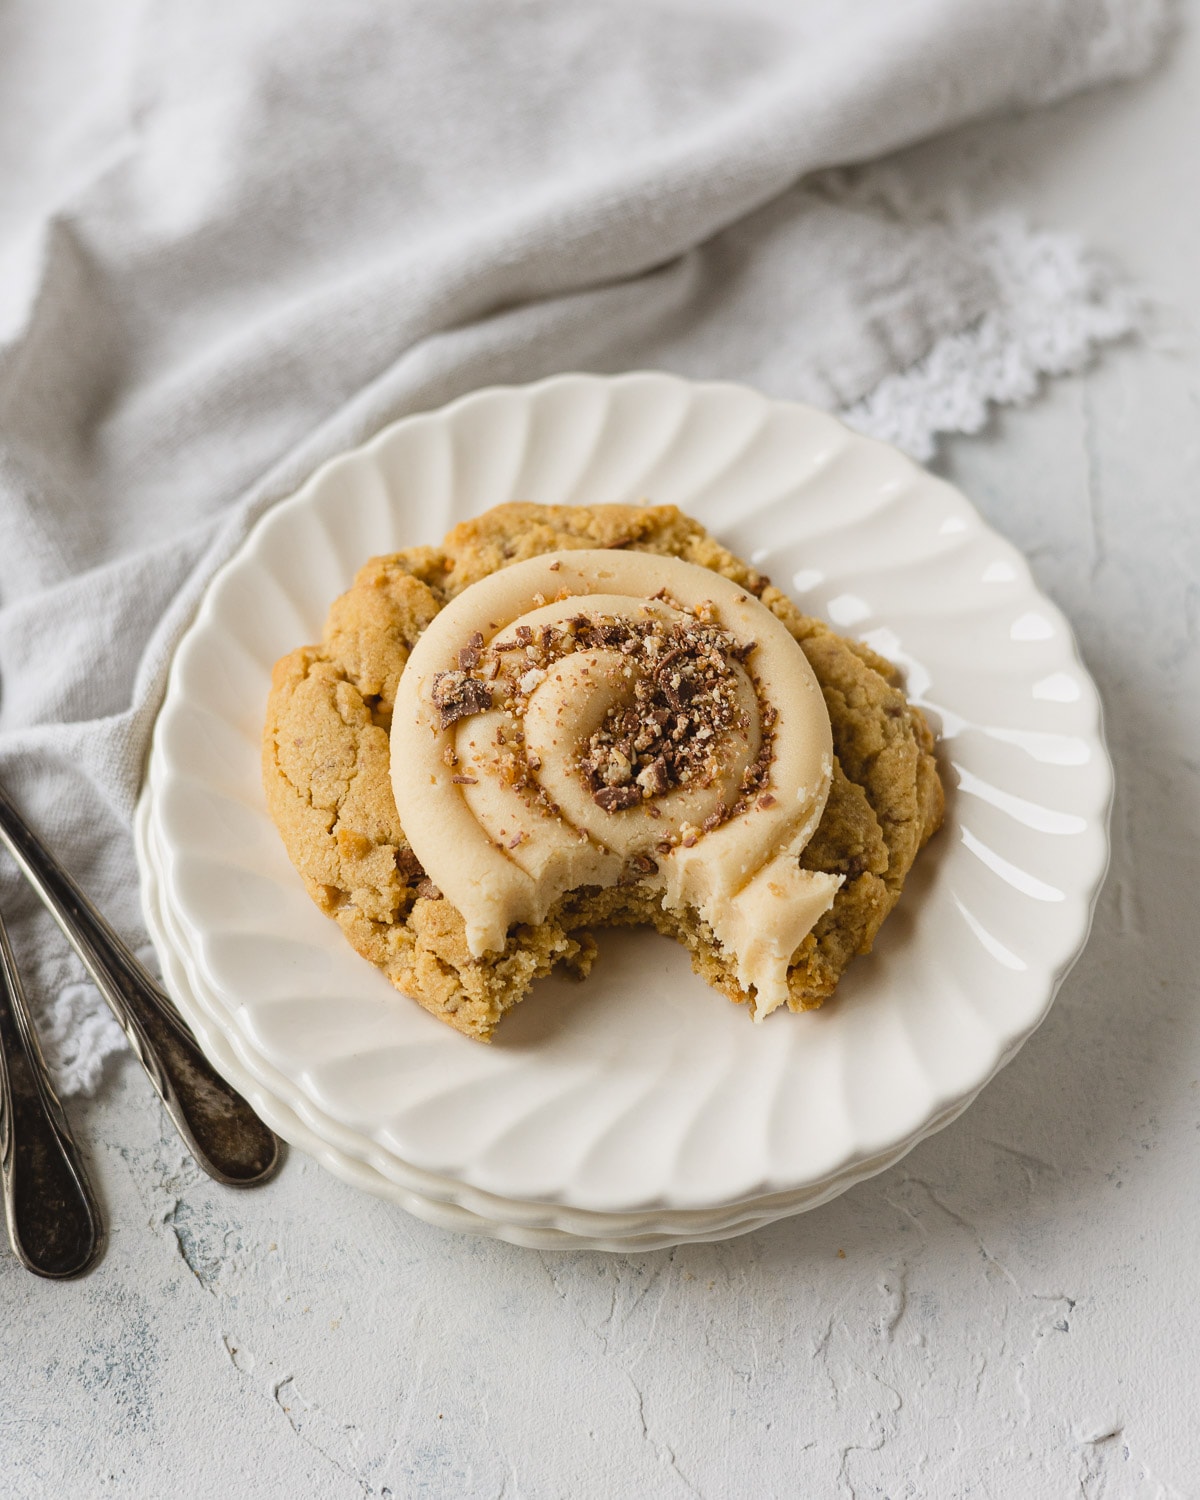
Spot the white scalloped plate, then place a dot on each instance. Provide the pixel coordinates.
(643, 1092)
(439, 1201)
(525, 1225)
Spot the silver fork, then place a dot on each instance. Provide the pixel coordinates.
(223, 1133)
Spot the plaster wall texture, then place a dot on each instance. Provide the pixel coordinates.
(1010, 1312)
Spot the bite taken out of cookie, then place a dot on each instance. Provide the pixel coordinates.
(566, 718)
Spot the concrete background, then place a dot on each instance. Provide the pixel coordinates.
(1012, 1311)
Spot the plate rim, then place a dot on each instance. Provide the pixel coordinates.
(1101, 815)
(547, 1229)
(566, 1229)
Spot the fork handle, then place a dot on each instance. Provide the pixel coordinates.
(53, 1221)
(223, 1133)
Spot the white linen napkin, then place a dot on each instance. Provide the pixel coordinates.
(235, 239)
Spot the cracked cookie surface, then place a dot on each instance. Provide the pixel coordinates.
(326, 775)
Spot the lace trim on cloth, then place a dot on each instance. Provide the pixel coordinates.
(1056, 303)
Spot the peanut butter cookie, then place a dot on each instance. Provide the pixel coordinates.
(326, 771)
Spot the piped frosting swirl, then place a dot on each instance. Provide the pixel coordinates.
(595, 718)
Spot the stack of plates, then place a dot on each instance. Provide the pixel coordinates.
(639, 1109)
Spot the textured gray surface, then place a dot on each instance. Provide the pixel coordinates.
(1009, 1312)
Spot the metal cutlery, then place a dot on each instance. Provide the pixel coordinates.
(53, 1221)
(225, 1136)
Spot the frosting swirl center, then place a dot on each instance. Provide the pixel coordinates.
(652, 723)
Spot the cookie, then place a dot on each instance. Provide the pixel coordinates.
(326, 772)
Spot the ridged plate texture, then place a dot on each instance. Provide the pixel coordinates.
(642, 1093)
(438, 1200)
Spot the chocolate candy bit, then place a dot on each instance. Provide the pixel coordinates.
(429, 890)
(716, 818)
(465, 780)
(615, 798)
(457, 696)
(409, 867)
(599, 632)
(655, 778)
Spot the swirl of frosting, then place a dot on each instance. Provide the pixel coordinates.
(595, 718)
